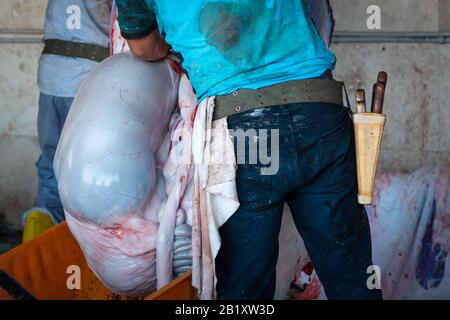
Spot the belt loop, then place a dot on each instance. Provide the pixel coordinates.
(349, 106)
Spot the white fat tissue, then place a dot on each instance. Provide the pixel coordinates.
(126, 200)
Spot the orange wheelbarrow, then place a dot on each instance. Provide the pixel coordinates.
(40, 269)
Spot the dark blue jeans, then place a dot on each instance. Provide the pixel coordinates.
(317, 179)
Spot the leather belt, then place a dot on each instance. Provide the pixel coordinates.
(76, 49)
(298, 91)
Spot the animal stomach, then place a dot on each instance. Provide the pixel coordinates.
(110, 164)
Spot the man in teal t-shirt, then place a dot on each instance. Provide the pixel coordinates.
(229, 45)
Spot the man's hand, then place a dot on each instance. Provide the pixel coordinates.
(149, 48)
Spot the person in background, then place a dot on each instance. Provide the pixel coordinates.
(76, 36)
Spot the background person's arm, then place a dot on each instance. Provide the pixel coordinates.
(138, 25)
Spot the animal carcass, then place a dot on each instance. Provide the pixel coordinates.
(125, 199)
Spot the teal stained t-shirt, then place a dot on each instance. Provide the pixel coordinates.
(233, 44)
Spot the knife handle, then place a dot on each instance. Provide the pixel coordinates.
(378, 98)
(382, 77)
(360, 98)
